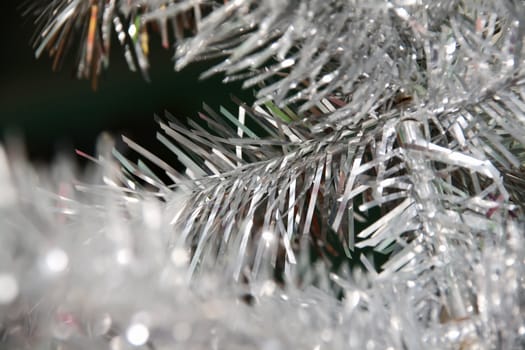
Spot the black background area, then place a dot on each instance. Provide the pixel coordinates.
(54, 111)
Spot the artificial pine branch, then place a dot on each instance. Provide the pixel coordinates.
(415, 109)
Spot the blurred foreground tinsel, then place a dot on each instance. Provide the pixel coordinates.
(383, 130)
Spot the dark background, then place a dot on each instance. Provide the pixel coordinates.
(54, 111)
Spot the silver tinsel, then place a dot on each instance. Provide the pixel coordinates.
(383, 128)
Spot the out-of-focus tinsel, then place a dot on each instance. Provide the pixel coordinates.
(382, 128)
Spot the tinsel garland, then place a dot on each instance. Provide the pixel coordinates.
(382, 128)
